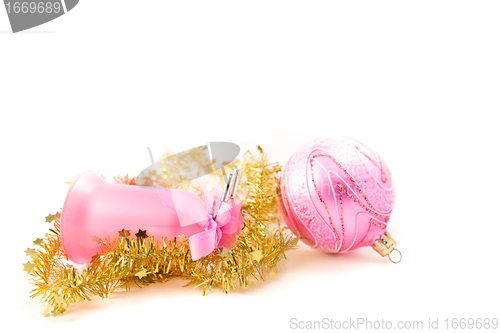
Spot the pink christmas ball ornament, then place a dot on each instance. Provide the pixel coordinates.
(337, 195)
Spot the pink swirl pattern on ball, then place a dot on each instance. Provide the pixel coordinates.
(338, 194)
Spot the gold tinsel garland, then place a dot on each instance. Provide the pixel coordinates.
(125, 260)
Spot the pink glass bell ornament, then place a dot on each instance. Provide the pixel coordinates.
(337, 195)
(95, 208)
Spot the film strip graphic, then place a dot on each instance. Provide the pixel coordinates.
(26, 14)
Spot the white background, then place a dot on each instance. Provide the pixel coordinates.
(417, 81)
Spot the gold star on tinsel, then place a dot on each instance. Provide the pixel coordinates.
(38, 241)
(268, 232)
(49, 218)
(59, 299)
(96, 239)
(28, 267)
(257, 255)
(180, 238)
(30, 252)
(124, 233)
(224, 253)
(142, 273)
(141, 234)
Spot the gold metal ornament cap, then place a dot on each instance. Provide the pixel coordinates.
(385, 246)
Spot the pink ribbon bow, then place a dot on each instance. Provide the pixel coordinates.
(222, 222)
